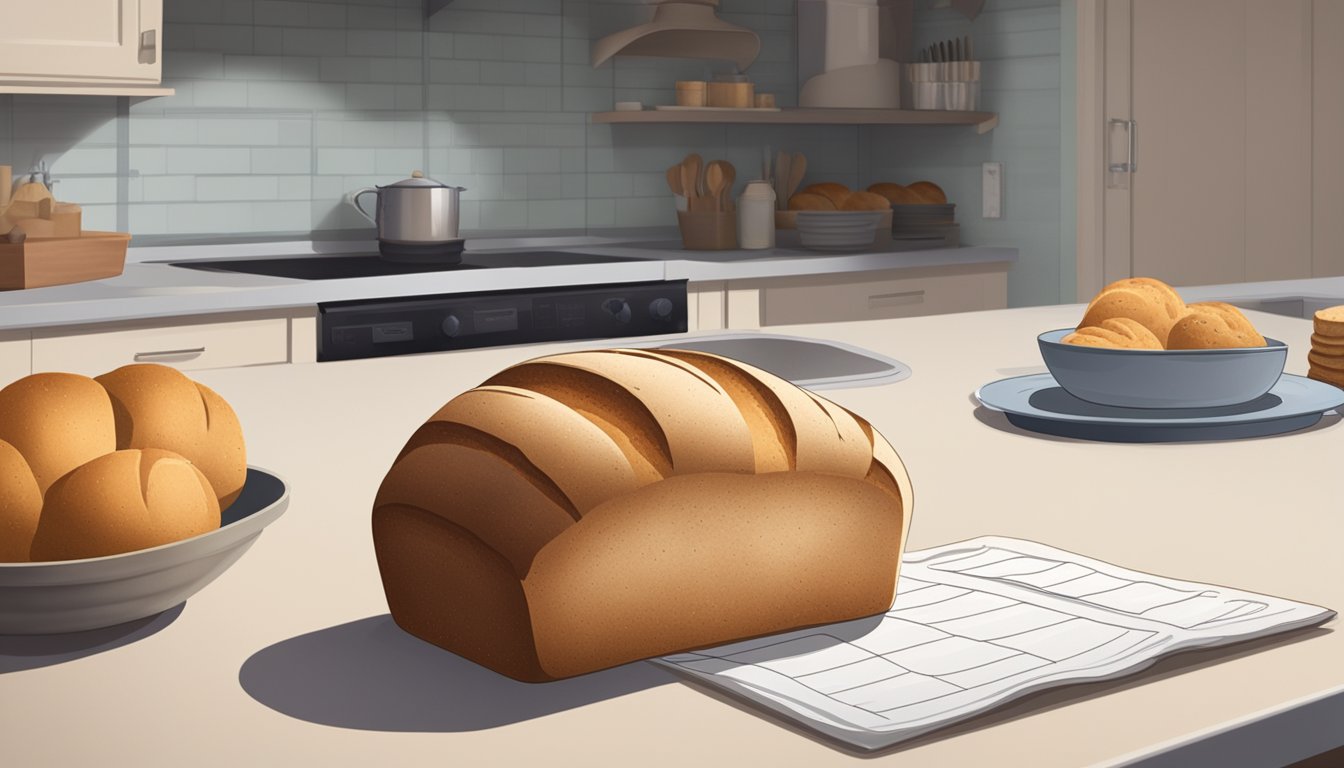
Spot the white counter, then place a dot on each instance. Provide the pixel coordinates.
(150, 288)
(290, 659)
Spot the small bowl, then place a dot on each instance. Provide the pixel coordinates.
(77, 595)
(1155, 378)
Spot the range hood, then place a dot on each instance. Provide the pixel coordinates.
(686, 29)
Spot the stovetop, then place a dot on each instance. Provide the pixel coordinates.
(344, 266)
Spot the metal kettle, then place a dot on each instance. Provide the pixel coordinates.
(417, 219)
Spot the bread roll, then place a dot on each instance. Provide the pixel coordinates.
(581, 511)
(20, 505)
(124, 501)
(897, 194)
(807, 201)
(1330, 322)
(836, 193)
(156, 406)
(1115, 333)
(866, 201)
(58, 421)
(1214, 325)
(1152, 303)
(931, 193)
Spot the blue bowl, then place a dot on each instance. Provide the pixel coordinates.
(1155, 378)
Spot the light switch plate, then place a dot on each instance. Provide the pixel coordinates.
(991, 190)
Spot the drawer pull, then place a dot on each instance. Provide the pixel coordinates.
(895, 299)
(169, 355)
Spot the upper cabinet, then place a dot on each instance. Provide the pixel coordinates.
(111, 47)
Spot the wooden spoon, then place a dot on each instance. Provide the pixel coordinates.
(715, 182)
(783, 162)
(690, 180)
(674, 180)
(797, 172)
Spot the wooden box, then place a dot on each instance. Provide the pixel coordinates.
(41, 261)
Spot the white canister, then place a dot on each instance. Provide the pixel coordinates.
(756, 216)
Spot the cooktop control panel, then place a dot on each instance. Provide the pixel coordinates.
(349, 330)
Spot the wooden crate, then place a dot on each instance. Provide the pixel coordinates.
(38, 262)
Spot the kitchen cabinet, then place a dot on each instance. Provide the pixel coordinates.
(81, 46)
(1217, 156)
(909, 292)
(16, 356)
(188, 344)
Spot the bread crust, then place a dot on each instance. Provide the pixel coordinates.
(809, 201)
(20, 505)
(156, 406)
(930, 192)
(835, 192)
(58, 421)
(124, 501)
(751, 492)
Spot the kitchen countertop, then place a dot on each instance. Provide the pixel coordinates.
(149, 289)
(290, 658)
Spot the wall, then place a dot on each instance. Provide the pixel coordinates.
(284, 107)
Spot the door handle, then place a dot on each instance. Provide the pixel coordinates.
(169, 355)
(149, 48)
(1131, 163)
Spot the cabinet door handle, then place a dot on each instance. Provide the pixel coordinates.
(895, 299)
(169, 355)
(149, 48)
(1131, 163)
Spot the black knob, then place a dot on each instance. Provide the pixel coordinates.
(451, 326)
(617, 308)
(661, 309)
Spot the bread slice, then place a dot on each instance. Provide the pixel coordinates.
(1330, 322)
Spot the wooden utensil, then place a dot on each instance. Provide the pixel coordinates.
(797, 172)
(691, 180)
(6, 185)
(782, 165)
(674, 180)
(716, 180)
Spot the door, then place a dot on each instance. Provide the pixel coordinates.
(1208, 139)
(81, 41)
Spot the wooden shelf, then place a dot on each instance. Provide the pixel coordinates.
(983, 121)
(135, 91)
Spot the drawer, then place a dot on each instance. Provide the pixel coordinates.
(188, 346)
(16, 356)
(879, 295)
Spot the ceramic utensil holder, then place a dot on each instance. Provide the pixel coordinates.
(708, 231)
(951, 85)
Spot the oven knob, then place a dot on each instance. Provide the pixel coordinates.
(660, 309)
(451, 326)
(617, 308)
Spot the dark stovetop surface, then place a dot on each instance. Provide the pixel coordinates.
(344, 266)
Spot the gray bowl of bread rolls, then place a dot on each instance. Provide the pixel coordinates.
(122, 496)
(581, 511)
(1139, 345)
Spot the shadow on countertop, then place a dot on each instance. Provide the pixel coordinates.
(371, 675)
(22, 652)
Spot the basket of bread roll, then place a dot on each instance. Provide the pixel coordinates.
(831, 216)
(121, 496)
(1139, 345)
(920, 210)
(580, 511)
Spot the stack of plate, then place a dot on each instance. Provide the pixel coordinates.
(837, 230)
(933, 222)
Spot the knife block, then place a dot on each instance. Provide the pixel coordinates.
(708, 230)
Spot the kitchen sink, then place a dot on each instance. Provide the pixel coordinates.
(1289, 306)
(811, 363)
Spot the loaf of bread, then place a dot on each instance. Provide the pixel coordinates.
(808, 201)
(159, 407)
(1213, 325)
(931, 193)
(20, 505)
(124, 501)
(865, 201)
(58, 421)
(581, 511)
